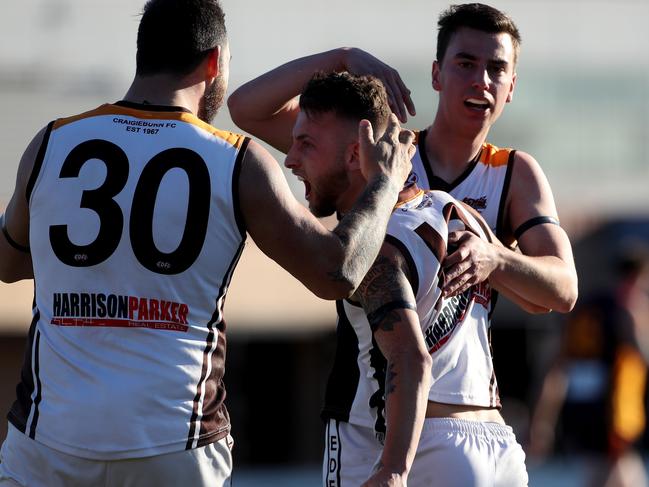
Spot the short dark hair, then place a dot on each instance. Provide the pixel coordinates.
(174, 36)
(475, 16)
(348, 96)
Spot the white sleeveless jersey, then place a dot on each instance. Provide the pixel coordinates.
(456, 330)
(484, 185)
(135, 232)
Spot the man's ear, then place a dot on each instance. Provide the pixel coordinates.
(352, 156)
(510, 95)
(437, 86)
(213, 57)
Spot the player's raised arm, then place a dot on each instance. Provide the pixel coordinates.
(267, 106)
(389, 303)
(15, 257)
(330, 263)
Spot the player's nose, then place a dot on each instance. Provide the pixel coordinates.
(481, 79)
(291, 161)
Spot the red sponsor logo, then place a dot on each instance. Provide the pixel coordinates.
(110, 310)
(452, 313)
(482, 294)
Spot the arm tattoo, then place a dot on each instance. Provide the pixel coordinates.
(361, 230)
(381, 294)
(386, 316)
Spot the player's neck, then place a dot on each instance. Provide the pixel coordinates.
(163, 90)
(450, 151)
(355, 188)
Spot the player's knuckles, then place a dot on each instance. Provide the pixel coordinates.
(450, 267)
(452, 258)
(455, 283)
(406, 136)
(451, 271)
(451, 291)
(463, 254)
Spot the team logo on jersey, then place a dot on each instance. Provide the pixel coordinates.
(476, 203)
(452, 313)
(427, 200)
(111, 310)
(411, 180)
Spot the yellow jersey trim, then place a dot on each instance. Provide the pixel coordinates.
(107, 109)
(494, 156)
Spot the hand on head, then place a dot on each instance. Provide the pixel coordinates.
(390, 154)
(362, 63)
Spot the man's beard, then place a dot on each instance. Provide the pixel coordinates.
(325, 197)
(211, 100)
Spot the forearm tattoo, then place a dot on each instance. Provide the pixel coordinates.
(361, 231)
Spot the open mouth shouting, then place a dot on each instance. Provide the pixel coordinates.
(307, 186)
(480, 104)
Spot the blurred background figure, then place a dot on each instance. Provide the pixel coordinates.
(593, 396)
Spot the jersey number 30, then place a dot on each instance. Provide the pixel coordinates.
(101, 201)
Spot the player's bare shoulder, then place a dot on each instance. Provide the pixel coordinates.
(528, 176)
(530, 194)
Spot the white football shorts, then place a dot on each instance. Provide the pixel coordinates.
(26, 462)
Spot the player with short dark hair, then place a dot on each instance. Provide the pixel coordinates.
(173, 37)
(474, 75)
(380, 394)
(346, 96)
(475, 16)
(342, 96)
(131, 219)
